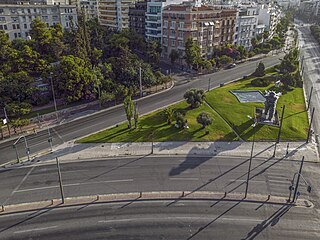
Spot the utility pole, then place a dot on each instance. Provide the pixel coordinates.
(7, 119)
(298, 179)
(140, 81)
(309, 129)
(53, 95)
(279, 132)
(60, 181)
(50, 138)
(27, 148)
(250, 160)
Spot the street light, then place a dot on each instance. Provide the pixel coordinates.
(250, 160)
(53, 95)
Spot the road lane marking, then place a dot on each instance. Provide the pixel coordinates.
(73, 184)
(182, 218)
(184, 179)
(35, 229)
(19, 185)
(59, 136)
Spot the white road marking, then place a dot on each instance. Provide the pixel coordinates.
(73, 184)
(181, 218)
(59, 136)
(19, 185)
(184, 179)
(35, 229)
(243, 180)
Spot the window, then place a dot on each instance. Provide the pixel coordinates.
(44, 11)
(181, 25)
(15, 35)
(45, 18)
(194, 34)
(14, 19)
(5, 27)
(55, 18)
(2, 19)
(180, 44)
(26, 34)
(25, 26)
(181, 34)
(1, 11)
(1, 27)
(13, 26)
(24, 18)
(194, 25)
(13, 10)
(165, 23)
(173, 24)
(22, 10)
(19, 35)
(18, 26)
(173, 43)
(35, 10)
(29, 11)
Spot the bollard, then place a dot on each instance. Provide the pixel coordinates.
(2, 208)
(268, 197)
(51, 201)
(98, 198)
(287, 152)
(140, 195)
(225, 194)
(182, 194)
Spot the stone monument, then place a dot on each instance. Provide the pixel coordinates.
(270, 104)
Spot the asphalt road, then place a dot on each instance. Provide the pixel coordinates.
(167, 173)
(162, 220)
(310, 59)
(104, 119)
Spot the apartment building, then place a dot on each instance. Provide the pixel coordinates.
(247, 22)
(137, 15)
(269, 15)
(204, 24)
(154, 18)
(16, 19)
(114, 13)
(88, 7)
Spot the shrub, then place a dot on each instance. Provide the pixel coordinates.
(180, 120)
(260, 82)
(204, 119)
(194, 97)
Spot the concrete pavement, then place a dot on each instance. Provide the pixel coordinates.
(205, 220)
(290, 150)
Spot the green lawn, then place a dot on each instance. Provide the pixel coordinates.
(295, 123)
(153, 127)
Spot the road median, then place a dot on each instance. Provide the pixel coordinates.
(173, 196)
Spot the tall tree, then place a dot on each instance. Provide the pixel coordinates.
(192, 53)
(129, 108)
(194, 97)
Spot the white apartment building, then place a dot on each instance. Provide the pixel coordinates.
(269, 15)
(88, 7)
(154, 17)
(16, 19)
(247, 22)
(114, 13)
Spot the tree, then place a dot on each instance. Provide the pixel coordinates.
(180, 120)
(192, 53)
(194, 97)
(259, 72)
(106, 97)
(204, 119)
(169, 113)
(16, 109)
(287, 80)
(136, 115)
(75, 81)
(174, 55)
(224, 59)
(19, 123)
(129, 108)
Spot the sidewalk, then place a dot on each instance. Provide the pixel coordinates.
(73, 152)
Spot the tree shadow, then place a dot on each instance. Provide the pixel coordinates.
(206, 154)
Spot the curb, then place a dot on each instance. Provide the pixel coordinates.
(175, 196)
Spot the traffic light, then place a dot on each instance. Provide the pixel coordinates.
(309, 189)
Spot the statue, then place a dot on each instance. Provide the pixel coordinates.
(270, 103)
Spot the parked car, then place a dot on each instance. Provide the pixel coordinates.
(232, 65)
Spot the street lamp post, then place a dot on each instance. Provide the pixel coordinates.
(251, 154)
(298, 179)
(140, 82)
(279, 132)
(53, 95)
